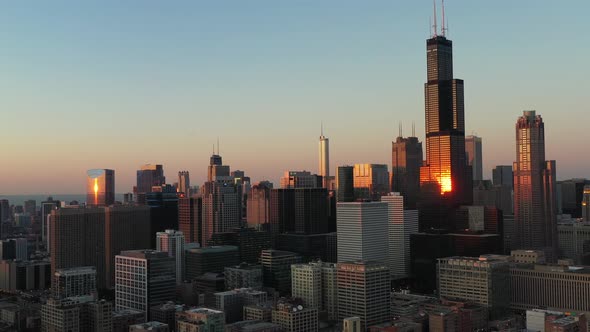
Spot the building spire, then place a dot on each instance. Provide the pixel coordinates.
(218, 145)
(434, 26)
(322, 128)
(444, 28)
(413, 129)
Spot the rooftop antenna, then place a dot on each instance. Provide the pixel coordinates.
(443, 29)
(399, 128)
(213, 148)
(218, 145)
(435, 26)
(413, 129)
(322, 128)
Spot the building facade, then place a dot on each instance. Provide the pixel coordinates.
(143, 278)
(484, 281)
(100, 187)
(172, 242)
(406, 159)
(364, 292)
(535, 202)
(473, 153)
(362, 231)
(446, 172)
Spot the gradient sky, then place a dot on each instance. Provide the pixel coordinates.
(116, 84)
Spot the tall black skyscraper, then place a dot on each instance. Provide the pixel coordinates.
(445, 177)
(446, 171)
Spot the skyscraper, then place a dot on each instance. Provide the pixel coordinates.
(77, 239)
(362, 231)
(401, 224)
(364, 290)
(324, 167)
(172, 242)
(222, 201)
(143, 278)
(120, 221)
(535, 201)
(345, 184)
(190, 218)
(406, 159)
(258, 206)
(149, 176)
(473, 151)
(371, 181)
(100, 187)
(446, 170)
(184, 183)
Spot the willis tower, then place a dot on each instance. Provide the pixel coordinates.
(445, 177)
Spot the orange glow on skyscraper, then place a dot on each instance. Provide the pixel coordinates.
(96, 191)
(445, 182)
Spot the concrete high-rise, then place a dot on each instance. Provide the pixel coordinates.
(535, 201)
(149, 176)
(445, 171)
(345, 184)
(93, 236)
(406, 159)
(484, 280)
(184, 183)
(364, 291)
(293, 317)
(77, 281)
(119, 222)
(77, 239)
(316, 284)
(143, 278)
(371, 181)
(100, 187)
(474, 155)
(401, 224)
(172, 242)
(362, 231)
(324, 160)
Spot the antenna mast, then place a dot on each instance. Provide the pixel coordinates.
(218, 145)
(443, 29)
(435, 26)
(413, 129)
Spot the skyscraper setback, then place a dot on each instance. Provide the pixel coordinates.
(535, 202)
(446, 170)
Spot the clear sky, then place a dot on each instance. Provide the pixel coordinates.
(116, 84)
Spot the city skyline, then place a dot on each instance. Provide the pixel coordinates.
(372, 64)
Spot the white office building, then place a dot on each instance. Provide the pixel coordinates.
(362, 231)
